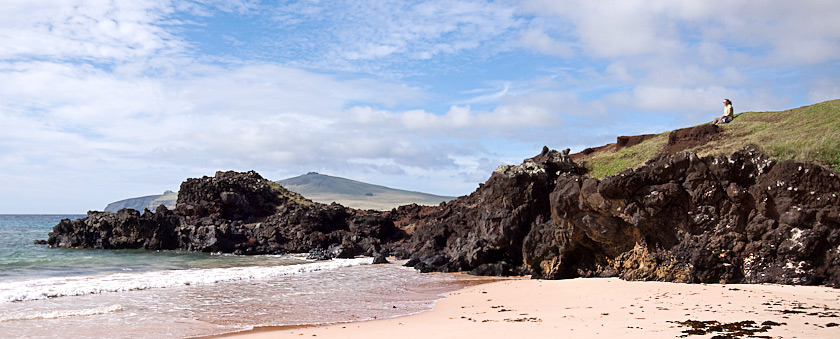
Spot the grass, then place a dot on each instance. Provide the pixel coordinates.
(601, 164)
(288, 195)
(806, 134)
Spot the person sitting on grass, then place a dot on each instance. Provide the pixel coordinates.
(728, 113)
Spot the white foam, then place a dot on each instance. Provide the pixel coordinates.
(36, 289)
(60, 313)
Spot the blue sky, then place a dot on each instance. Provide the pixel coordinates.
(105, 100)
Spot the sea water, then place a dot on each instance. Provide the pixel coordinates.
(78, 293)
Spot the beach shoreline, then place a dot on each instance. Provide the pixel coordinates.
(461, 280)
(600, 307)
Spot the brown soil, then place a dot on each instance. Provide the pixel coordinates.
(633, 140)
(686, 138)
(590, 150)
(620, 142)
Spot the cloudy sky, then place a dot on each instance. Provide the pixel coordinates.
(106, 100)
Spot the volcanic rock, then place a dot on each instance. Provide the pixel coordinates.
(484, 231)
(741, 218)
(124, 229)
(727, 219)
(234, 212)
(379, 258)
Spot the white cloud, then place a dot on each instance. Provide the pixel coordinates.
(354, 34)
(619, 72)
(103, 31)
(824, 89)
(539, 41)
(615, 28)
(64, 118)
(504, 119)
(799, 32)
(112, 94)
(659, 99)
(681, 58)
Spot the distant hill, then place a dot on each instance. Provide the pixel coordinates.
(326, 189)
(316, 187)
(151, 202)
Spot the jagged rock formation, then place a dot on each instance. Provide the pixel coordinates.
(484, 231)
(740, 218)
(727, 219)
(124, 229)
(233, 213)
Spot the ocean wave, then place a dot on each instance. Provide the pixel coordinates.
(32, 315)
(44, 288)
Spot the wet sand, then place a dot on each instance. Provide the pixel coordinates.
(602, 308)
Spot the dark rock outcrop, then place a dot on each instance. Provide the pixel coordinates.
(740, 218)
(379, 258)
(124, 229)
(228, 195)
(484, 231)
(234, 212)
(727, 219)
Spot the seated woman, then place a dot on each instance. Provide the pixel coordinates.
(728, 113)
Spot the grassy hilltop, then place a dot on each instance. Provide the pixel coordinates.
(807, 134)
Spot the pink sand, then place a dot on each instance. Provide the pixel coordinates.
(597, 308)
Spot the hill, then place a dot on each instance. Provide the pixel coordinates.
(326, 189)
(151, 202)
(806, 134)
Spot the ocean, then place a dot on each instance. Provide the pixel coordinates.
(80, 293)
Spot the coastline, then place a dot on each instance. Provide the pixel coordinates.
(461, 279)
(600, 307)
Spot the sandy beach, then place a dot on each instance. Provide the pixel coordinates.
(603, 308)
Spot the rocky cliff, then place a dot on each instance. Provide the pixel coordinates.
(738, 218)
(724, 219)
(234, 213)
(124, 229)
(741, 218)
(485, 231)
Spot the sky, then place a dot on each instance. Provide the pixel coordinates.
(107, 100)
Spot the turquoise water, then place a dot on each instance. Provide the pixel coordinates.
(83, 293)
(21, 258)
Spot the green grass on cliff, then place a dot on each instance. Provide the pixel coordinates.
(288, 195)
(807, 134)
(604, 163)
